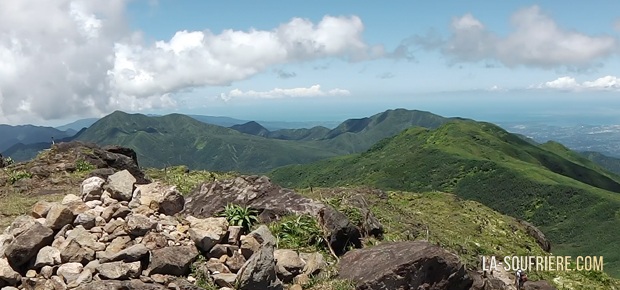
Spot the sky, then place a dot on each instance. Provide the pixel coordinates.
(499, 61)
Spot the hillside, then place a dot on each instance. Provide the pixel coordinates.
(178, 139)
(570, 202)
(610, 163)
(27, 134)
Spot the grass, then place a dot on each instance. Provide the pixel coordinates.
(15, 204)
(184, 180)
(237, 215)
(570, 202)
(301, 233)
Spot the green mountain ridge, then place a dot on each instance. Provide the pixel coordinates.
(610, 163)
(572, 201)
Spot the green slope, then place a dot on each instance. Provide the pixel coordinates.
(483, 162)
(181, 140)
(610, 163)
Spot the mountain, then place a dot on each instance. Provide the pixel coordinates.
(27, 134)
(78, 125)
(22, 152)
(570, 200)
(251, 128)
(610, 163)
(178, 139)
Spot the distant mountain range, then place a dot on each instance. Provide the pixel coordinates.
(27, 134)
(568, 196)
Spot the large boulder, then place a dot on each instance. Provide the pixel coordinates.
(119, 270)
(58, 216)
(172, 260)
(92, 188)
(538, 235)
(26, 246)
(272, 203)
(168, 198)
(370, 225)
(120, 185)
(404, 265)
(208, 232)
(7, 274)
(289, 264)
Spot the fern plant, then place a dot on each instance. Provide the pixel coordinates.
(242, 216)
(301, 232)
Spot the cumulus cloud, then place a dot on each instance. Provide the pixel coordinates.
(606, 83)
(61, 58)
(313, 91)
(536, 40)
(497, 89)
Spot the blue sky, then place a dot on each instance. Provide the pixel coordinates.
(319, 60)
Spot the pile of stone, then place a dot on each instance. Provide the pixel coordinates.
(121, 235)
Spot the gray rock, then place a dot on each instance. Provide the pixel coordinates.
(235, 262)
(172, 202)
(225, 279)
(220, 250)
(85, 277)
(92, 188)
(208, 232)
(21, 224)
(131, 254)
(70, 271)
(7, 274)
(168, 199)
(40, 209)
(154, 240)
(315, 262)
(109, 211)
(341, 232)
(5, 241)
(58, 217)
(289, 264)
(234, 233)
(85, 220)
(47, 256)
(120, 285)
(47, 272)
(538, 235)
(73, 252)
(172, 260)
(408, 265)
(69, 198)
(120, 185)
(216, 266)
(119, 270)
(26, 246)
(121, 212)
(139, 225)
(259, 272)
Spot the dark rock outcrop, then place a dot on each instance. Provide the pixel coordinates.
(26, 245)
(404, 265)
(272, 202)
(538, 235)
(370, 225)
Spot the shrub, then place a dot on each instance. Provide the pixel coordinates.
(82, 166)
(8, 161)
(19, 175)
(240, 216)
(298, 232)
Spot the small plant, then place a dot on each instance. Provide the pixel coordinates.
(200, 272)
(240, 216)
(83, 166)
(8, 161)
(19, 175)
(301, 232)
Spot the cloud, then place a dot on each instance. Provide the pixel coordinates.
(313, 91)
(536, 40)
(284, 75)
(62, 58)
(606, 83)
(386, 75)
(617, 25)
(497, 89)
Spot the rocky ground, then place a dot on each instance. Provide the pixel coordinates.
(118, 230)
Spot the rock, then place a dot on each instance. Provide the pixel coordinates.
(85, 220)
(168, 198)
(259, 272)
(47, 256)
(249, 245)
(5, 241)
(315, 262)
(40, 209)
(47, 272)
(93, 204)
(78, 207)
(215, 266)
(70, 271)
(119, 270)
(120, 185)
(538, 285)
(26, 246)
(69, 198)
(117, 245)
(121, 212)
(31, 274)
(370, 224)
(234, 233)
(139, 225)
(208, 232)
(92, 188)
(289, 264)
(40, 171)
(225, 279)
(85, 277)
(404, 265)
(73, 252)
(296, 287)
(235, 262)
(538, 235)
(120, 285)
(154, 241)
(131, 254)
(172, 260)
(7, 274)
(109, 211)
(102, 173)
(220, 250)
(58, 217)
(301, 279)
(21, 224)
(272, 202)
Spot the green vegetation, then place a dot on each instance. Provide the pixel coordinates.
(203, 279)
(570, 202)
(301, 233)
(610, 163)
(184, 179)
(8, 161)
(243, 216)
(464, 227)
(15, 176)
(83, 166)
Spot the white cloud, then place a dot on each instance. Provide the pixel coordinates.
(313, 91)
(536, 40)
(617, 25)
(607, 83)
(61, 58)
(497, 89)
